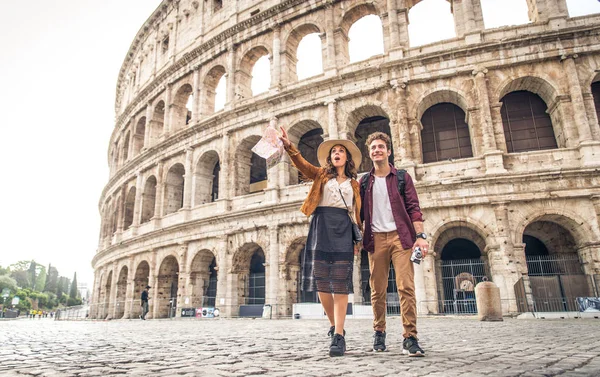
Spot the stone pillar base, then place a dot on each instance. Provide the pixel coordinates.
(494, 163)
(223, 205)
(590, 153)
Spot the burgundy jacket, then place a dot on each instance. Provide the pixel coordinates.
(405, 211)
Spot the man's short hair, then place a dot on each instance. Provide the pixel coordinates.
(379, 136)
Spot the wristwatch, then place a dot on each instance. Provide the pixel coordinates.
(422, 235)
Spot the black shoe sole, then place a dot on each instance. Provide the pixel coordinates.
(335, 353)
(417, 354)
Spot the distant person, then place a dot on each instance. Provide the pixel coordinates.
(145, 299)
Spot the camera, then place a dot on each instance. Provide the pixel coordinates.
(417, 256)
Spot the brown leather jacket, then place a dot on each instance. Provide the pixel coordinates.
(320, 178)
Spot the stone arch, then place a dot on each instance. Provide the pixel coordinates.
(250, 169)
(292, 41)
(203, 279)
(440, 95)
(106, 304)
(157, 124)
(417, 24)
(307, 134)
(348, 19)
(181, 114)
(174, 183)
(167, 287)
(211, 81)
(125, 153)
(248, 265)
(121, 292)
(244, 74)
(148, 199)
(206, 178)
(138, 136)
(140, 280)
(569, 220)
(129, 207)
(364, 120)
(98, 298)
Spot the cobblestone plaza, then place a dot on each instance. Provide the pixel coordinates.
(455, 346)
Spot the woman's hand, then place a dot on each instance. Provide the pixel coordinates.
(357, 247)
(284, 138)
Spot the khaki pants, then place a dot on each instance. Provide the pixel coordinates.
(388, 248)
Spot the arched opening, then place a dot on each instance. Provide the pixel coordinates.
(310, 57)
(366, 127)
(115, 215)
(460, 267)
(445, 133)
(121, 293)
(166, 290)
(126, 148)
(106, 304)
(96, 311)
(555, 272)
(140, 281)
(596, 95)
(174, 189)
(251, 169)
(182, 107)
(138, 137)
(214, 90)
(203, 279)
(253, 78)
(129, 206)
(307, 135)
(206, 177)
(249, 267)
(504, 13)
(527, 125)
(157, 124)
(365, 38)
(148, 199)
(256, 279)
(425, 14)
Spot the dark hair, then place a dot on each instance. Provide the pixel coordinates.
(379, 136)
(349, 168)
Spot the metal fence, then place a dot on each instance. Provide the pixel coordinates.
(459, 278)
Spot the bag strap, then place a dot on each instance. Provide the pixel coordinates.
(347, 209)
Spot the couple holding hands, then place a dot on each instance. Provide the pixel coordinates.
(385, 206)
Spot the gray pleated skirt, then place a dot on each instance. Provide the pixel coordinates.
(329, 252)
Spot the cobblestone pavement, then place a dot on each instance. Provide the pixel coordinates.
(243, 347)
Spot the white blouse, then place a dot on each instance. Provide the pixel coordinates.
(331, 194)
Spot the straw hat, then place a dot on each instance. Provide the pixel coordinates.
(325, 147)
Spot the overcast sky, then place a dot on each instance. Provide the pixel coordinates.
(58, 72)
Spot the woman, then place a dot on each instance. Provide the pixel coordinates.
(329, 251)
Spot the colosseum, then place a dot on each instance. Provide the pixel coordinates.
(497, 126)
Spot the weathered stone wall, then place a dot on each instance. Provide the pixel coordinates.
(491, 198)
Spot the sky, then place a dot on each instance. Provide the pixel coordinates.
(58, 72)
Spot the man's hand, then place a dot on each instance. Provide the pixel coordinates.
(423, 245)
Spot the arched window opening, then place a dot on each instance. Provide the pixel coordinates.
(445, 133)
(261, 76)
(366, 38)
(203, 279)
(158, 121)
(126, 147)
(220, 94)
(206, 177)
(504, 13)
(211, 288)
(425, 14)
(182, 107)
(121, 292)
(462, 268)
(105, 299)
(527, 125)
(365, 128)
(148, 200)
(215, 184)
(140, 281)
(174, 189)
(129, 205)
(138, 136)
(258, 173)
(166, 291)
(596, 95)
(555, 272)
(582, 8)
(188, 107)
(310, 57)
(256, 279)
(308, 145)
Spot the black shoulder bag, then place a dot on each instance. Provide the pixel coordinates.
(356, 234)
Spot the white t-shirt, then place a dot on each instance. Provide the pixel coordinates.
(383, 218)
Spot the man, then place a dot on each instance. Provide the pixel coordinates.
(145, 303)
(393, 228)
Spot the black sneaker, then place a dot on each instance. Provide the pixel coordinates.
(379, 341)
(338, 345)
(411, 347)
(332, 331)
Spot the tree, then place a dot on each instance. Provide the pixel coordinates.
(40, 281)
(4, 271)
(74, 293)
(22, 278)
(63, 286)
(51, 279)
(32, 274)
(8, 282)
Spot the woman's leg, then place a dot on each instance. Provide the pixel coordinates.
(327, 302)
(340, 304)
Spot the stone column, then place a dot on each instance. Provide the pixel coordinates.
(230, 100)
(225, 187)
(548, 11)
(356, 281)
(420, 291)
(167, 125)
(222, 273)
(187, 179)
(183, 279)
(332, 128)
(472, 19)
(196, 95)
(401, 140)
(498, 126)
(430, 285)
(121, 214)
(276, 59)
(415, 140)
(153, 282)
(402, 16)
(148, 129)
(137, 203)
(129, 299)
(273, 269)
(583, 126)
(329, 65)
(112, 300)
(392, 12)
(158, 199)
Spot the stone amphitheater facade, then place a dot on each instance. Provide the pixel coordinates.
(190, 211)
